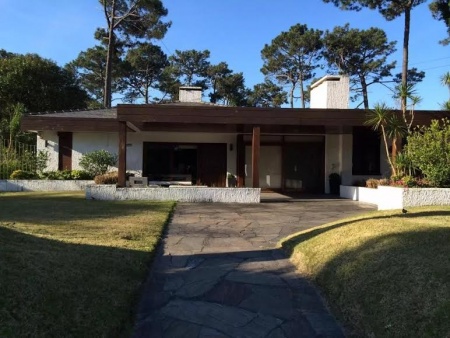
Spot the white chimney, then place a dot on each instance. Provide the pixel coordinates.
(190, 94)
(331, 91)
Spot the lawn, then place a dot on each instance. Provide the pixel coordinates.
(384, 274)
(73, 267)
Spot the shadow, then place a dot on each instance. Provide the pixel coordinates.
(57, 289)
(396, 285)
(291, 242)
(234, 294)
(43, 208)
(276, 197)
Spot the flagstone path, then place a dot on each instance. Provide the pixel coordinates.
(218, 273)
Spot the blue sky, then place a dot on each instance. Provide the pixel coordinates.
(234, 31)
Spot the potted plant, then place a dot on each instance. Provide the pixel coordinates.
(334, 180)
(231, 180)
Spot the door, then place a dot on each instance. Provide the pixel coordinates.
(65, 151)
(303, 167)
(212, 164)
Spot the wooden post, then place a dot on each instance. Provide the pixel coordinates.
(255, 156)
(122, 154)
(240, 159)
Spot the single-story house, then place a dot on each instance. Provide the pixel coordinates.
(200, 143)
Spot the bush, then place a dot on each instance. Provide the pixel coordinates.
(80, 175)
(22, 175)
(429, 150)
(109, 178)
(66, 175)
(384, 181)
(97, 162)
(372, 183)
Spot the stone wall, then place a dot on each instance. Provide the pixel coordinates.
(390, 198)
(180, 194)
(43, 185)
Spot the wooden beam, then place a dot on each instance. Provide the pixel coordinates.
(240, 160)
(255, 156)
(122, 154)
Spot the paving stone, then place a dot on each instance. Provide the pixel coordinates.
(323, 323)
(260, 278)
(229, 293)
(278, 333)
(180, 328)
(229, 320)
(274, 301)
(211, 333)
(298, 327)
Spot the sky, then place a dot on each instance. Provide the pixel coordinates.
(233, 31)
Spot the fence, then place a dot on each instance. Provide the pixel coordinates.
(16, 156)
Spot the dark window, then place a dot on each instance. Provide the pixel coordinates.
(366, 151)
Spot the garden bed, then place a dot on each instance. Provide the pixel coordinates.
(389, 198)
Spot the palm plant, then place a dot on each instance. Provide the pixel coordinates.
(383, 119)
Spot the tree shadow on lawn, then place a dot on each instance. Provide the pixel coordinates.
(290, 243)
(53, 288)
(396, 285)
(44, 208)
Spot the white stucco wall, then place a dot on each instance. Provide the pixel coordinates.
(269, 167)
(52, 147)
(87, 142)
(43, 185)
(338, 157)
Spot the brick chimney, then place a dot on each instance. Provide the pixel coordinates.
(190, 94)
(331, 91)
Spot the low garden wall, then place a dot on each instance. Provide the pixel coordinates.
(181, 194)
(389, 198)
(43, 185)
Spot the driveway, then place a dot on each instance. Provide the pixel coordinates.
(218, 272)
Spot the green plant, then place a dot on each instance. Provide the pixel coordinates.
(108, 178)
(372, 183)
(22, 175)
(98, 162)
(80, 175)
(384, 181)
(429, 150)
(41, 161)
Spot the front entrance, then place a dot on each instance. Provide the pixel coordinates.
(197, 164)
(303, 167)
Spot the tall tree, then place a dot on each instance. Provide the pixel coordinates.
(31, 83)
(128, 21)
(191, 66)
(441, 11)
(292, 57)
(390, 9)
(267, 94)
(216, 74)
(360, 54)
(231, 90)
(143, 67)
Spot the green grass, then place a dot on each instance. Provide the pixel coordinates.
(73, 267)
(384, 274)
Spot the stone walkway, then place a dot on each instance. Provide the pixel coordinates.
(218, 273)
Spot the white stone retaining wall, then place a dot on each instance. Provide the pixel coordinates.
(180, 194)
(43, 185)
(390, 198)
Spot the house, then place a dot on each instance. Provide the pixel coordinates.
(200, 143)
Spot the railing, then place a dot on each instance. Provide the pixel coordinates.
(16, 156)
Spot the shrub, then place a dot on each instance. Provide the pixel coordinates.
(372, 183)
(109, 178)
(80, 175)
(97, 162)
(41, 161)
(384, 181)
(22, 175)
(429, 150)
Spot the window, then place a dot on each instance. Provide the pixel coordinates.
(366, 151)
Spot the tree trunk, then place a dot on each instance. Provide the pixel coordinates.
(405, 54)
(302, 93)
(393, 171)
(107, 94)
(291, 96)
(362, 79)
